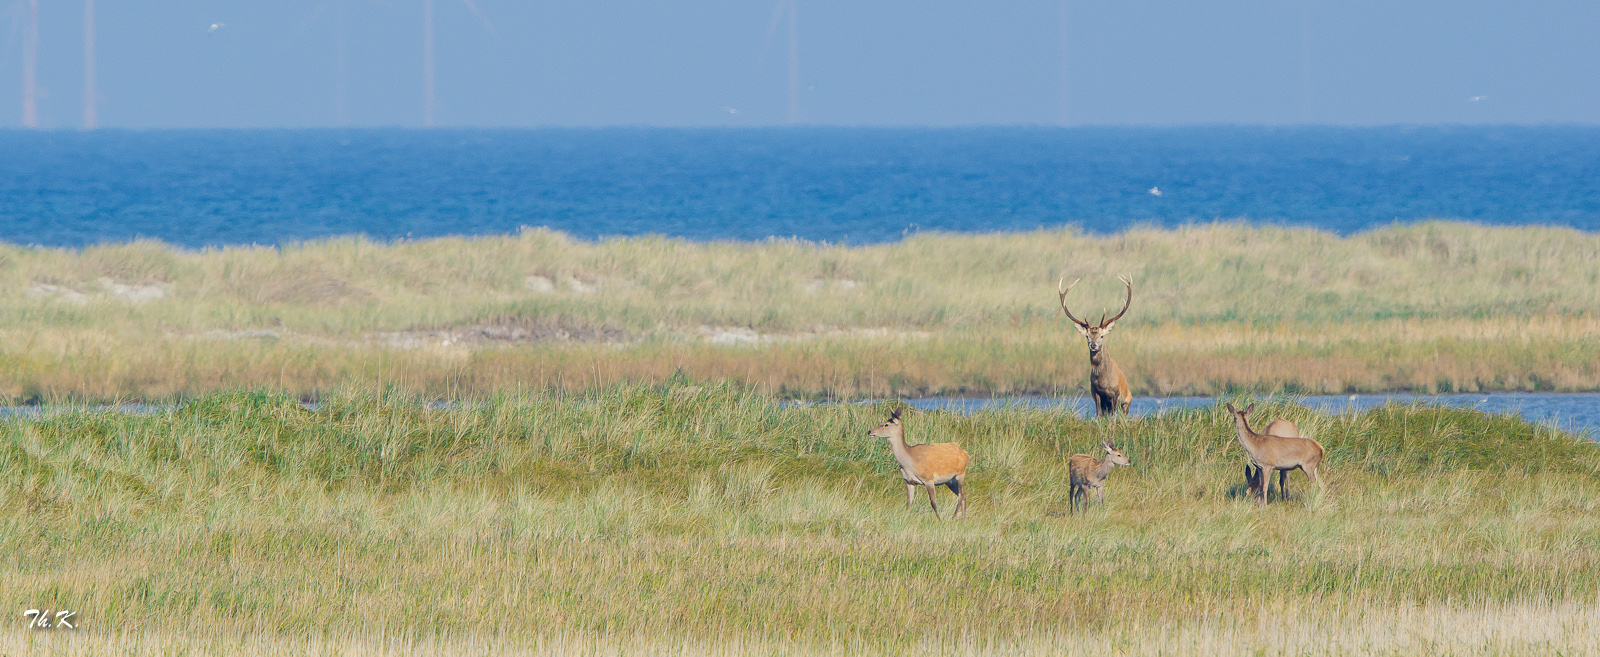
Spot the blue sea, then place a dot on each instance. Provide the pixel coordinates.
(845, 185)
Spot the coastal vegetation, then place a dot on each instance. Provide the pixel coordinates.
(710, 518)
(1217, 308)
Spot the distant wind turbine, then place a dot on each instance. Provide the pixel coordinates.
(1061, 88)
(1305, 61)
(342, 68)
(30, 67)
(790, 7)
(90, 116)
(427, 54)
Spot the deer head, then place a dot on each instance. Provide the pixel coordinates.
(1242, 415)
(1096, 335)
(889, 428)
(1115, 454)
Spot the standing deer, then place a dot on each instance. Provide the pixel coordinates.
(1278, 427)
(1089, 472)
(1281, 453)
(1106, 380)
(927, 465)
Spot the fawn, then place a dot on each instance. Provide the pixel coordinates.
(1090, 472)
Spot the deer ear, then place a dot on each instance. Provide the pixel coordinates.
(1250, 408)
(1231, 409)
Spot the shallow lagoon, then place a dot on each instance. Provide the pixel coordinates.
(1578, 412)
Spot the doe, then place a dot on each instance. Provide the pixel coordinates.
(1089, 472)
(928, 465)
(1252, 474)
(1280, 453)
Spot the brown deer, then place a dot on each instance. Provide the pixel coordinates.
(1106, 380)
(1278, 427)
(1281, 453)
(1089, 472)
(927, 465)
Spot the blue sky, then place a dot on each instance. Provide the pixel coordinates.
(861, 62)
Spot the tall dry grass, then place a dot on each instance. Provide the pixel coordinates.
(1219, 307)
(710, 519)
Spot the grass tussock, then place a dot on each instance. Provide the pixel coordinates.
(714, 519)
(1217, 308)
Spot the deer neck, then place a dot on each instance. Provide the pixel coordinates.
(1099, 360)
(1247, 437)
(897, 446)
(1104, 469)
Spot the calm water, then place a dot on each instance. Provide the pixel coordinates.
(857, 185)
(1578, 412)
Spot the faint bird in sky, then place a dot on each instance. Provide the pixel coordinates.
(215, 27)
(1155, 191)
(1475, 99)
(730, 110)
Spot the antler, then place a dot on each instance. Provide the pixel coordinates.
(1129, 302)
(1063, 293)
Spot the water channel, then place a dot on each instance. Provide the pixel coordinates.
(1575, 412)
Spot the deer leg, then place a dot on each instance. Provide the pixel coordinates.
(961, 496)
(931, 488)
(1100, 496)
(961, 508)
(911, 494)
(1283, 484)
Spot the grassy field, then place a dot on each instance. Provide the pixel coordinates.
(1217, 308)
(715, 519)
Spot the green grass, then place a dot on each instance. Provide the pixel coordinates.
(1217, 309)
(693, 519)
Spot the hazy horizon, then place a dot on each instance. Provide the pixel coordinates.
(629, 63)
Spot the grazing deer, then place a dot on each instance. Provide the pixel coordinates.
(1090, 472)
(1106, 380)
(1278, 427)
(927, 465)
(1269, 452)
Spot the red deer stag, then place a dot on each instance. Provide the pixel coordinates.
(1106, 380)
(928, 465)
